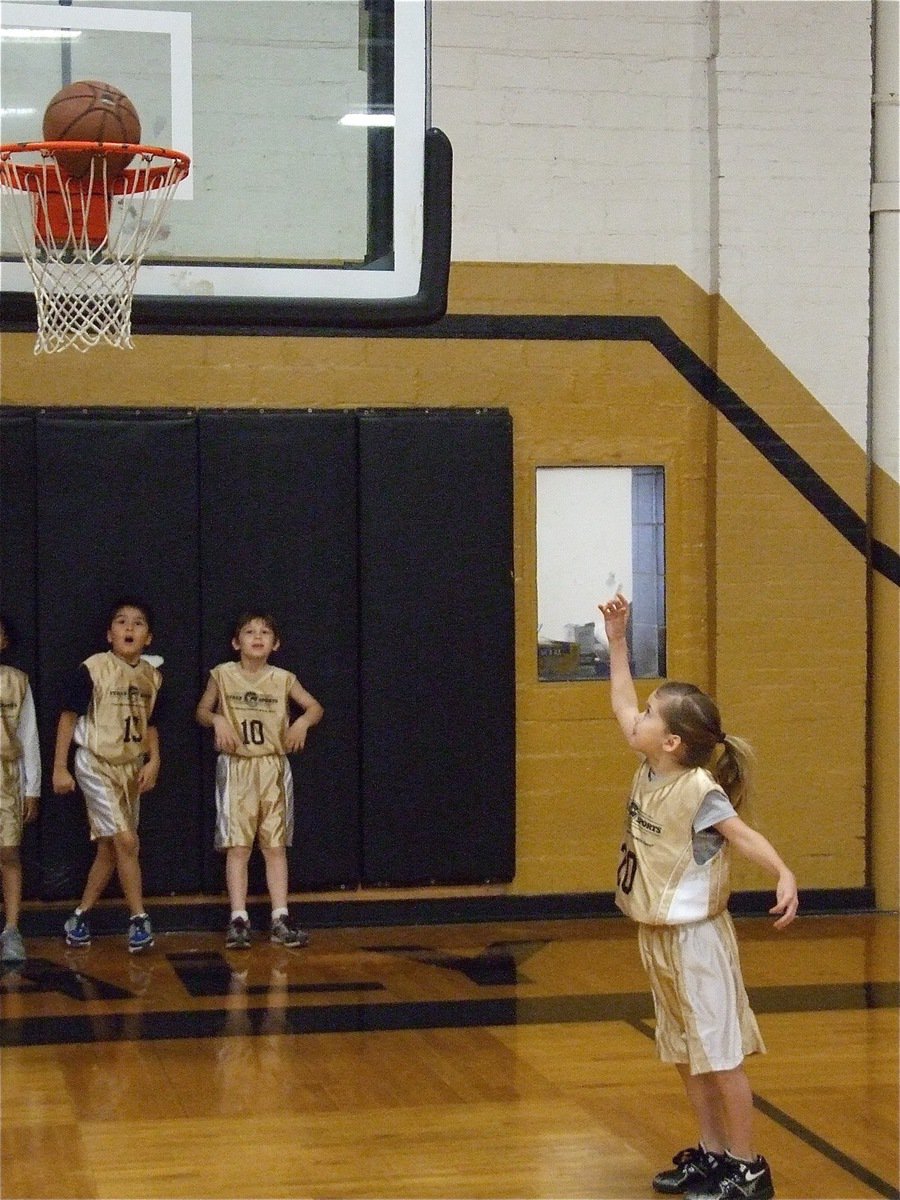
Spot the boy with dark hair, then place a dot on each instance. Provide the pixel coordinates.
(110, 709)
(247, 704)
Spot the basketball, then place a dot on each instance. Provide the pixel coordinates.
(91, 111)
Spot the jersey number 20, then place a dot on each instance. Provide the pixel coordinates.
(627, 869)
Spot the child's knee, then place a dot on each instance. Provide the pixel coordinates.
(9, 856)
(126, 842)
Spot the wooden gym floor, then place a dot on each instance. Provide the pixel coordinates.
(502, 1060)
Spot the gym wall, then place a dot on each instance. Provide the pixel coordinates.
(709, 166)
(757, 567)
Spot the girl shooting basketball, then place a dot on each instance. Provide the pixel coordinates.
(681, 824)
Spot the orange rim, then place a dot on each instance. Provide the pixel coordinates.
(29, 177)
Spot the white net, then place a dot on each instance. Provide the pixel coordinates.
(83, 240)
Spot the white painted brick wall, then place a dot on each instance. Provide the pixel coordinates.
(581, 133)
(568, 120)
(794, 89)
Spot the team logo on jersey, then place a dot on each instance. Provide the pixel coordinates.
(642, 822)
(130, 695)
(250, 699)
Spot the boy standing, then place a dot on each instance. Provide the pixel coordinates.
(20, 789)
(110, 710)
(247, 704)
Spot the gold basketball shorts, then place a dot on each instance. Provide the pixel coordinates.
(254, 801)
(703, 1016)
(111, 793)
(12, 802)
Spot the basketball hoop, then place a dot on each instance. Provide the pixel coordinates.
(83, 239)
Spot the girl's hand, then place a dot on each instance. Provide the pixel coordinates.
(787, 900)
(615, 616)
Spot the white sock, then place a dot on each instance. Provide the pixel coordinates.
(242, 914)
(278, 912)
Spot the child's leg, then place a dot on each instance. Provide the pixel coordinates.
(236, 860)
(100, 874)
(126, 846)
(276, 876)
(705, 1100)
(735, 1104)
(11, 868)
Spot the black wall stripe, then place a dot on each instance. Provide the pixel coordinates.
(702, 378)
(477, 326)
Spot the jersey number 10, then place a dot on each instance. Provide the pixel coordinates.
(253, 733)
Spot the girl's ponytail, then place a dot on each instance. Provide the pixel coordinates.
(733, 770)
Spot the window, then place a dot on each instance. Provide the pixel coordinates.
(599, 530)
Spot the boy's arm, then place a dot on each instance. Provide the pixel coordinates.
(224, 736)
(65, 731)
(313, 712)
(31, 754)
(622, 694)
(752, 845)
(150, 769)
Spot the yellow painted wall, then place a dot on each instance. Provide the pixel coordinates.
(766, 602)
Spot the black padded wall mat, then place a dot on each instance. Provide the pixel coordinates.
(382, 543)
(117, 515)
(18, 579)
(278, 531)
(437, 672)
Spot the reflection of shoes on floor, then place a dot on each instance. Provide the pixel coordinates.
(140, 973)
(77, 930)
(12, 948)
(285, 935)
(238, 934)
(140, 935)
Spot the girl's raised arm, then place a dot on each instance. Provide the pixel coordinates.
(622, 694)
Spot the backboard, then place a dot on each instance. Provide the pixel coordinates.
(318, 194)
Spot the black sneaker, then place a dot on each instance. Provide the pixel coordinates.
(238, 935)
(740, 1180)
(285, 935)
(695, 1169)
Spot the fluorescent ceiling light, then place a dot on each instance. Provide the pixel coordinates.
(39, 35)
(384, 120)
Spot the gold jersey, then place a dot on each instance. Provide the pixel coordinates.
(257, 709)
(114, 728)
(658, 881)
(13, 688)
